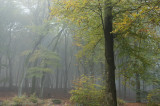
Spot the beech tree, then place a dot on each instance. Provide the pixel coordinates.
(84, 13)
(110, 86)
(98, 38)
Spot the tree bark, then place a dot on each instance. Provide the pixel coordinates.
(138, 94)
(119, 83)
(42, 84)
(10, 58)
(33, 85)
(0, 64)
(57, 76)
(10, 73)
(125, 90)
(110, 90)
(66, 70)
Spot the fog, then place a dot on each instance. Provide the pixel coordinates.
(40, 54)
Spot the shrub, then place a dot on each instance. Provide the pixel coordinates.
(86, 92)
(6, 103)
(33, 98)
(152, 104)
(154, 97)
(18, 101)
(120, 102)
(41, 102)
(56, 101)
(22, 101)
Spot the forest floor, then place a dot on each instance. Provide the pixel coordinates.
(7, 95)
(135, 104)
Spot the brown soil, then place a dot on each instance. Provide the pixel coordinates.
(6, 95)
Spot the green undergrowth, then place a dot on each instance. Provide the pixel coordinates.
(154, 97)
(22, 101)
(87, 93)
(56, 101)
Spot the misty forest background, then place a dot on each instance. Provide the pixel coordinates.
(47, 45)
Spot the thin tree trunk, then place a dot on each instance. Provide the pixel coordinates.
(119, 83)
(4, 84)
(78, 70)
(34, 80)
(33, 85)
(144, 85)
(110, 90)
(61, 79)
(125, 88)
(84, 68)
(138, 94)
(20, 82)
(10, 74)
(129, 87)
(26, 85)
(9, 57)
(91, 65)
(17, 77)
(57, 76)
(0, 65)
(42, 84)
(66, 71)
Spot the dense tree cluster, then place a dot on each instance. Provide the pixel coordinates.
(45, 45)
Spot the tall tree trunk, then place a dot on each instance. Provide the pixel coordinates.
(66, 70)
(91, 65)
(110, 90)
(20, 82)
(42, 84)
(78, 70)
(138, 94)
(26, 84)
(33, 84)
(9, 58)
(4, 83)
(10, 74)
(0, 66)
(125, 90)
(144, 85)
(119, 83)
(57, 76)
(33, 90)
(61, 80)
(17, 76)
